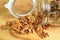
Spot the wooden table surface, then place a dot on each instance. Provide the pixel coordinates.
(54, 32)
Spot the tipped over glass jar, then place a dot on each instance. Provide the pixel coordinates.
(50, 8)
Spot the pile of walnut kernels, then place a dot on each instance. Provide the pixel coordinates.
(28, 24)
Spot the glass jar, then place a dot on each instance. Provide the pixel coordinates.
(50, 8)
